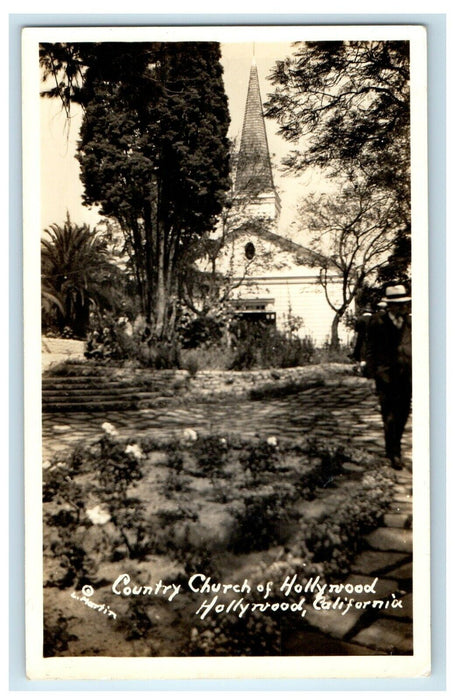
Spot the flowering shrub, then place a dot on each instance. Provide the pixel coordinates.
(109, 429)
(111, 338)
(135, 451)
(211, 453)
(81, 508)
(261, 458)
(99, 510)
(256, 635)
(261, 521)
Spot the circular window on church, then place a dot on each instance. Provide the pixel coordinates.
(250, 251)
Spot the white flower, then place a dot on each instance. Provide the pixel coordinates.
(135, 451)
(223, 442)
(189, 434)
(98, 516)
(272, 441)
(109, 429)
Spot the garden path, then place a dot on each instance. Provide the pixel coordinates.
(342, 409)
(346, 408)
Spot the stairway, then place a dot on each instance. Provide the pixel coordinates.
(94, 388)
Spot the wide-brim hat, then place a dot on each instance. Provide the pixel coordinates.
(395, 294)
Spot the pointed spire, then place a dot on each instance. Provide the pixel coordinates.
(254, 170)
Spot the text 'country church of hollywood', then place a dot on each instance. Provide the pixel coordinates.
(270, 275)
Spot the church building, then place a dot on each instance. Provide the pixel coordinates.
(270, 275)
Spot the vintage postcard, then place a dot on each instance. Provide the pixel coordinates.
(227, 412)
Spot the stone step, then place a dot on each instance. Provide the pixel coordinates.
(94, 383)
(372, 561)
(84, 381)
(390, 539)
(93, 380)
(89, 395)
(403, 520)
(390, 636)
(93, 406)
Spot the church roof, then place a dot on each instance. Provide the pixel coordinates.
(254, 170)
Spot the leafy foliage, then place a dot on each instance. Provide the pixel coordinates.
(346, 105)
(260, 458)
(211, 453)
(352, 234)
(57, 633)
(154, 156)
(261, 522)
(262, 345)
(351, 98)
(80, 541)
(77, 275)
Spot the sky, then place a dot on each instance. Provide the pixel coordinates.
(61, 189)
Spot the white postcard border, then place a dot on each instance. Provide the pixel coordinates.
(299, 667)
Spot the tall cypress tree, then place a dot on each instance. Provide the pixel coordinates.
(154, 154)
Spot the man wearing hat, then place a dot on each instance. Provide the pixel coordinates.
(389, 362)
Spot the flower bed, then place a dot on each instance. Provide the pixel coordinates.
(217, 504)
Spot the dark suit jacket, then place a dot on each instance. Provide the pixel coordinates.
(361, 329)
(389, 349)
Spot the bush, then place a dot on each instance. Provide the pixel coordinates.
(336, 541)
(203, 330)
(191, 362)
(206, 357)
(108, 339)
(163, 355)
(260, 458)
(112, 339)
(329, 457)
(210, 453)
(114, 466)
(263, 346)
(262, 521)
(57, 634)
(327, 354)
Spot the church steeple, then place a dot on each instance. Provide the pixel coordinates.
(254, 178)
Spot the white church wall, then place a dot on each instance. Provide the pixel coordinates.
(302, 297)
(275, 275)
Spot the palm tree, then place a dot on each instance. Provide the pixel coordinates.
(77, 275)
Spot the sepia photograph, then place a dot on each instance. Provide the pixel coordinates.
(225, 236)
